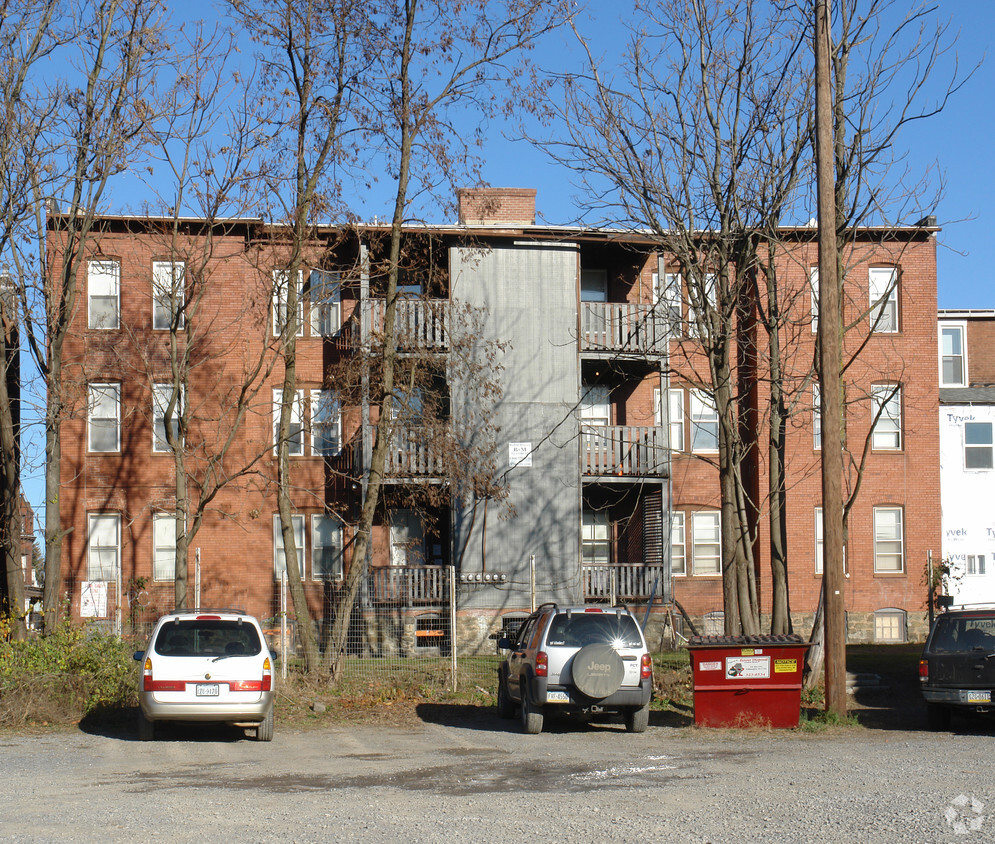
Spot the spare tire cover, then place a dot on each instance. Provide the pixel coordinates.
(597, 670)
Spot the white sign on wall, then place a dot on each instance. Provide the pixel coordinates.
(519, 454)
(93, 599)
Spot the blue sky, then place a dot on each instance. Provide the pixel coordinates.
(957, 142)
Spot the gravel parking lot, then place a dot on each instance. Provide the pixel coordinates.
(464, 775)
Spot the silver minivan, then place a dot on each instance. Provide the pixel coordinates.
(206, 665)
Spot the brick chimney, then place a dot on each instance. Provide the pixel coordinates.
(497, 206)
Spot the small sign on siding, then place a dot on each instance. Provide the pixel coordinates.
(519, 454)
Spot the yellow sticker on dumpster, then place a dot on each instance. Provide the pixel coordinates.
(785, 666)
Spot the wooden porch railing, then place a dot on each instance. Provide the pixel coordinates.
(623, 450)
(409, 585)
(622, 327)
(420, 323)
(410, 456)
(624, 582)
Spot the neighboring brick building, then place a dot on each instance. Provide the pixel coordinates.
(967, 471)
(585, 415)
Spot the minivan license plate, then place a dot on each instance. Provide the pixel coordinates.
(207, 690)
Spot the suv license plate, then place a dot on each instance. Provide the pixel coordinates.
(979, 697)
(207, 690)
(557, 697)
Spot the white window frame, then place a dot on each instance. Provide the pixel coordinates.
(104, 398)
(103, 537)
(675, 416)
(894, 618)
(889, 540)
(296, 422)
(813, 283)
(975, 565)
(407, 537)
(322, 402)
(706, 535)
(711, 282)
(163, 547)
(595, 534)
(887, 433)
(704, 418)
(318, 546)
(167, 292)
(882, 285)
(160, 400)
(816, 416)
(820, 545)
(325, 294)
(960, 328)
(279, 553)
(103, 284)
(678, 544)
(980, 447)
(668, 299)
(280, 286)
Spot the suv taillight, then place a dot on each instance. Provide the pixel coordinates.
(646, 669)
(923, 670)
(542, 664)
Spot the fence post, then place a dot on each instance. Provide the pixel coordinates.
(283, 625)
(451, 573)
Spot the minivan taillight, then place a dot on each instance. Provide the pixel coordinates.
(542, 664)
(267, 675)
(923, 670)
(646, 669)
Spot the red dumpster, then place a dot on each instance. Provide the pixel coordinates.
(744, 681)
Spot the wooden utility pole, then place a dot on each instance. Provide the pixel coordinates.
(829, 373)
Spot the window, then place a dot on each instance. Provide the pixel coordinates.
(295, 436)
(167, 294)
(977, 445)
(976, 564)
(887, 408)
(707, 298)
(103, 553)
(953, 363)
(678, 553)
(103, 284)
(279, 552)
(883, 284)
(104, 417)
(281, 292)
(164, 546)
(595, 412)
(813, 282)
(161, 395)
(668, 299)
(820, 544)
(593, 286)
(595, 546)
(707, 542)
(326, 424)
(888, 542)
(407, 538)
(326, 303)
(326, 548)
(816, 417)
(889, 625)
(677, 420)
(704, 423)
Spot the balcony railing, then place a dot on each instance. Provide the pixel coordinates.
(622, 450)
(419, 323)
(626, 582)
(623, 328)
(410, 456)
(409, 585)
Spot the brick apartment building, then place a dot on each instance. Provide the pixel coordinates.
(600, 440)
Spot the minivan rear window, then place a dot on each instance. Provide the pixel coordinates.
(575, 630)
(207, 637)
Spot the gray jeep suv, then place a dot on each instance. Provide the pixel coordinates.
(576, 659)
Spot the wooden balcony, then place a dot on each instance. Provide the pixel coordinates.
(623, 451)
(409, 586)
(622, 328)
(420, 323)
(625, 582)
(410, 457)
